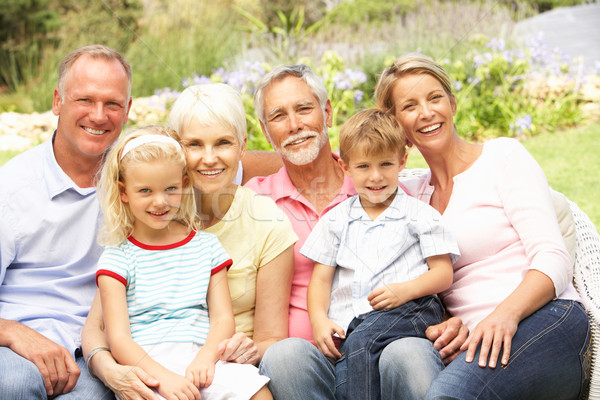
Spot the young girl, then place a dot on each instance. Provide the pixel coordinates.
(159, 275)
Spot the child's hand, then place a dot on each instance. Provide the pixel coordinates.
(389, 296)
(177, 387)
(201, 371)
(323, 331)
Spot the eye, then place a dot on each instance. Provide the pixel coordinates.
(436, 97)
(408, 106)
(277, 117)
(224, 142)
(386, 164)
(114, 105)
(362, 166)
(84, 100)
(145, 190)
(171, 188)
(192, 144)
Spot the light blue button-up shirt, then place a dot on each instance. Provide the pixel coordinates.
(369, 254)
(48, 249)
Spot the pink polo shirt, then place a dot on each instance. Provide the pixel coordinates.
(303, 217)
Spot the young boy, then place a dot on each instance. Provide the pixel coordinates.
(380, 258)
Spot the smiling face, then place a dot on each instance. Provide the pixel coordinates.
(295, 124)
(153, 192)
(375, 176)
(94, 108)
(424, 110)
(213, 154)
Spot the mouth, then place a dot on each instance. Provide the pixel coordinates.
(428, 130)
(158, 213)
(212, 172)
(96, 132)
(294, 141)
(376, 188)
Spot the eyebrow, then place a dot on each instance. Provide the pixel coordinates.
(300, 103)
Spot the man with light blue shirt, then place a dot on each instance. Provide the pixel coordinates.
(50, 218)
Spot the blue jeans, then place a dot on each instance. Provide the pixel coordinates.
(550, 359)
(357, 371)
(299, 371)
(21, 380)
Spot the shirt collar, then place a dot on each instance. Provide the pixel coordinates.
(57, 181)
(395, 211)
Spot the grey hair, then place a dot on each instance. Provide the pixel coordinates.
(283, 71)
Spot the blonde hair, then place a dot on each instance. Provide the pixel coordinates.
(410, 63)
(374, 132)
(118, 218)
(211, 104)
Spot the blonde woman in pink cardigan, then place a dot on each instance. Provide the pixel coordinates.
(528, 334)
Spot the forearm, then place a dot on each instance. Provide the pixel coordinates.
(220, 329)
(535, 290)
(9, 332)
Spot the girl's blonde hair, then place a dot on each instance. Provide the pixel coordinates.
(410, 63)
(118, 218)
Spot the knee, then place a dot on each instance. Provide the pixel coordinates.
(288, 352)
(22, 380)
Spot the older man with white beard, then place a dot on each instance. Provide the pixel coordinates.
(294, 112)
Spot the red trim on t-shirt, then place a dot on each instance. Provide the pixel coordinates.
(162, 247)
(112, 275)
(225, 264)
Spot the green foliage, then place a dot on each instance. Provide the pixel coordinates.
(358, 12)
(25, 30)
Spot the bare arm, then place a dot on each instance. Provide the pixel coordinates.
(222, 326)
(318, 298)
(497, 329)
(260, 163)
(126, 351)
(273, 286)
(127, 382)
(57, 366)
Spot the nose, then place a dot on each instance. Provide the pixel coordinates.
(98, 114)
(426, 111)
(295, 123)
(209, 156)
(375, 174)
(160, 199)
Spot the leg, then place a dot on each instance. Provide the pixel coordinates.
(407, 367)
(87, 387)
(262, 394)
(366, 340)
(21, 379)
(298, 370)
(549, 360)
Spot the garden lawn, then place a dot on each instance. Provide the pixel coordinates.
(571, 161)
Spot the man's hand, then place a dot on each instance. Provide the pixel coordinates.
(447, 337)
(57, 366)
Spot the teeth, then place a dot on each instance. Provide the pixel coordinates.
(158, 213)
(94, 131)
(298, 141)
(214, 172)
(376, 187)
(430, 128)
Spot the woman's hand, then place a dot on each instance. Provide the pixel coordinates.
(239, 349)
(495, 332)
(130, 383)
(448, 337)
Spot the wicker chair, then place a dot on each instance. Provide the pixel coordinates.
(586, 278)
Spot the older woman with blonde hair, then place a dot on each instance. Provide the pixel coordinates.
(529, 334)
(209, 122)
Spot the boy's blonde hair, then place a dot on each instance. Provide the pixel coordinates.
(118, 218)
(374, 132)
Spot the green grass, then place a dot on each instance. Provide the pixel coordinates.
(571, 161)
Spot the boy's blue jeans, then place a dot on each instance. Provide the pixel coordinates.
(357, 371)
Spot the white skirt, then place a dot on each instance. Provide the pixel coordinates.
(232, 381)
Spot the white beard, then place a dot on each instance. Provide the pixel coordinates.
(305, 155)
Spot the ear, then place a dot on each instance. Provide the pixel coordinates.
(345, 167)
(403, 160)
(123, 193)
(453, 103)
(243, 150)
(56, 102)
(264, 129)
(328, 114)
(128, 109)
